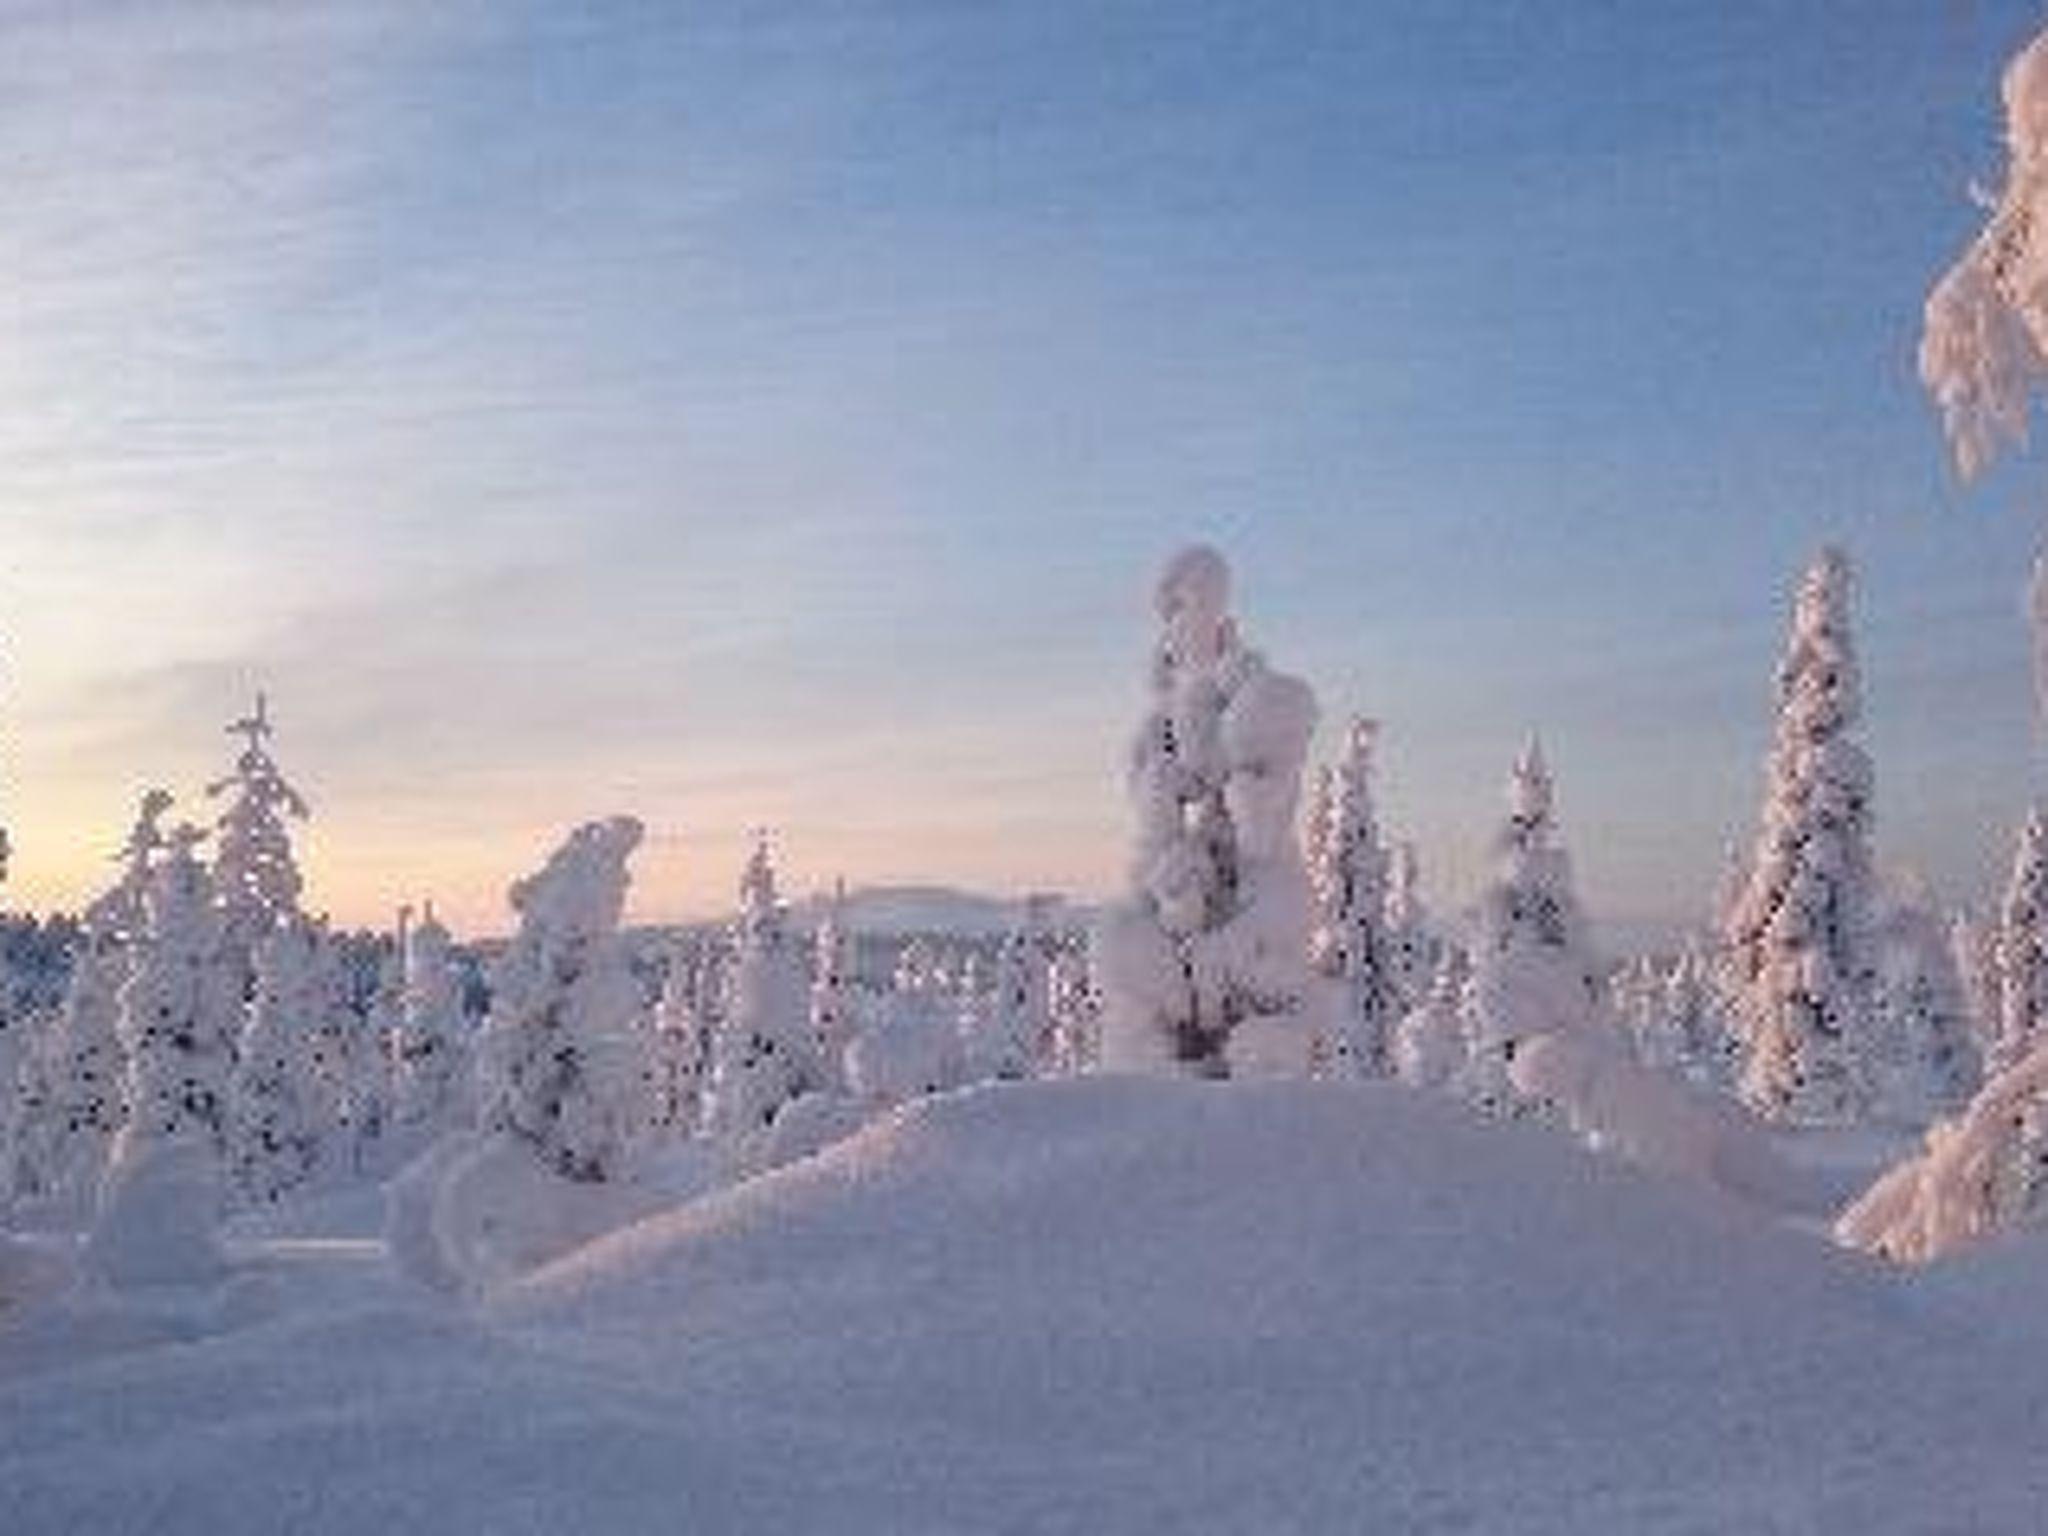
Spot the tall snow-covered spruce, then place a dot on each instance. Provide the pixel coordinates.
(1798, 945)
(1204, 964)
(557, 1048)
(430, 1056)
(255, 877)
(763, 1055)
(1350, 872)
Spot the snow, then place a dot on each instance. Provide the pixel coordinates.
(1103, 1305)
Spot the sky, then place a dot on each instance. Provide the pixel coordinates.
(774, 415)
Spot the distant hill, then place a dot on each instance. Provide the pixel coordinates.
(932, 909)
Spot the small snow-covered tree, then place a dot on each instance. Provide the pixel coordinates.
(763, 1054)
(1430, 1046)
(372, 1079)
(1696, 1023)
(1533, 970)
(1012, 1027)
(430, 1054)
(1800, 971)
(159, 1206)
(1076, 1013)
(275, 1129)
(1350, 942)
(911, 1044)
(1412, 947)
(1930, 1065)
(832, 993)
(1204, 965)
(679, 1054)
(255, 876)
(557, 1057)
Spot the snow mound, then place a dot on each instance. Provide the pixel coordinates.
(1099, 1305)
(1289, 1306)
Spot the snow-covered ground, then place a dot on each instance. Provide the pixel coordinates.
(1099, 1305)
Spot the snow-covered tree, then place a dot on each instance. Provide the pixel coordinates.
(331, 1038)
(275, 1130)
(1800, 970)
(1984, 349)
(159, 1206)
(1011, 1028)
(911, 1044)
(1696, 1024)
(679, 1054)
(1533, 970)
(254, 873)
(83, 1105)
(557, 1053)
(1635, 999)
(763, 1053)
(372, 1081)
(430, 1054)
(2021, 951)
(1984, 1171)
(1204, 965)
(1929, 1063)
(1076, 1013)
(832, 992)
(1350, 942)
(1412, 947)
(1431, 1049)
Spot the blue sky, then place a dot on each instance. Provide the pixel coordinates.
(774, 414)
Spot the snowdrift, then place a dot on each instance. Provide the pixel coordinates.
(1104, 1306)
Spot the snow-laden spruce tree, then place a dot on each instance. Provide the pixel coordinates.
(88, 1064)
(372, 1081)
(160, 1201)
(1929, 1065)
(679, 1054)
(1431, 1048)
(2020, 949)
(1413, 950)
(1533, 969)
(832, 992)
(911, 1043)
(1350, 942)
(254, 873)
(1075, 1002)
(1695, 1024)
(1800, 969)
(331, 1036)
(763, 1054)
(1635, 1001)
(1011, 1024)
(275, 1128)
(556, 1053)
(1204, 964)
(430, 1052)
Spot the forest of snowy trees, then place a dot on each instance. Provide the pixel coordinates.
(196, 1043)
